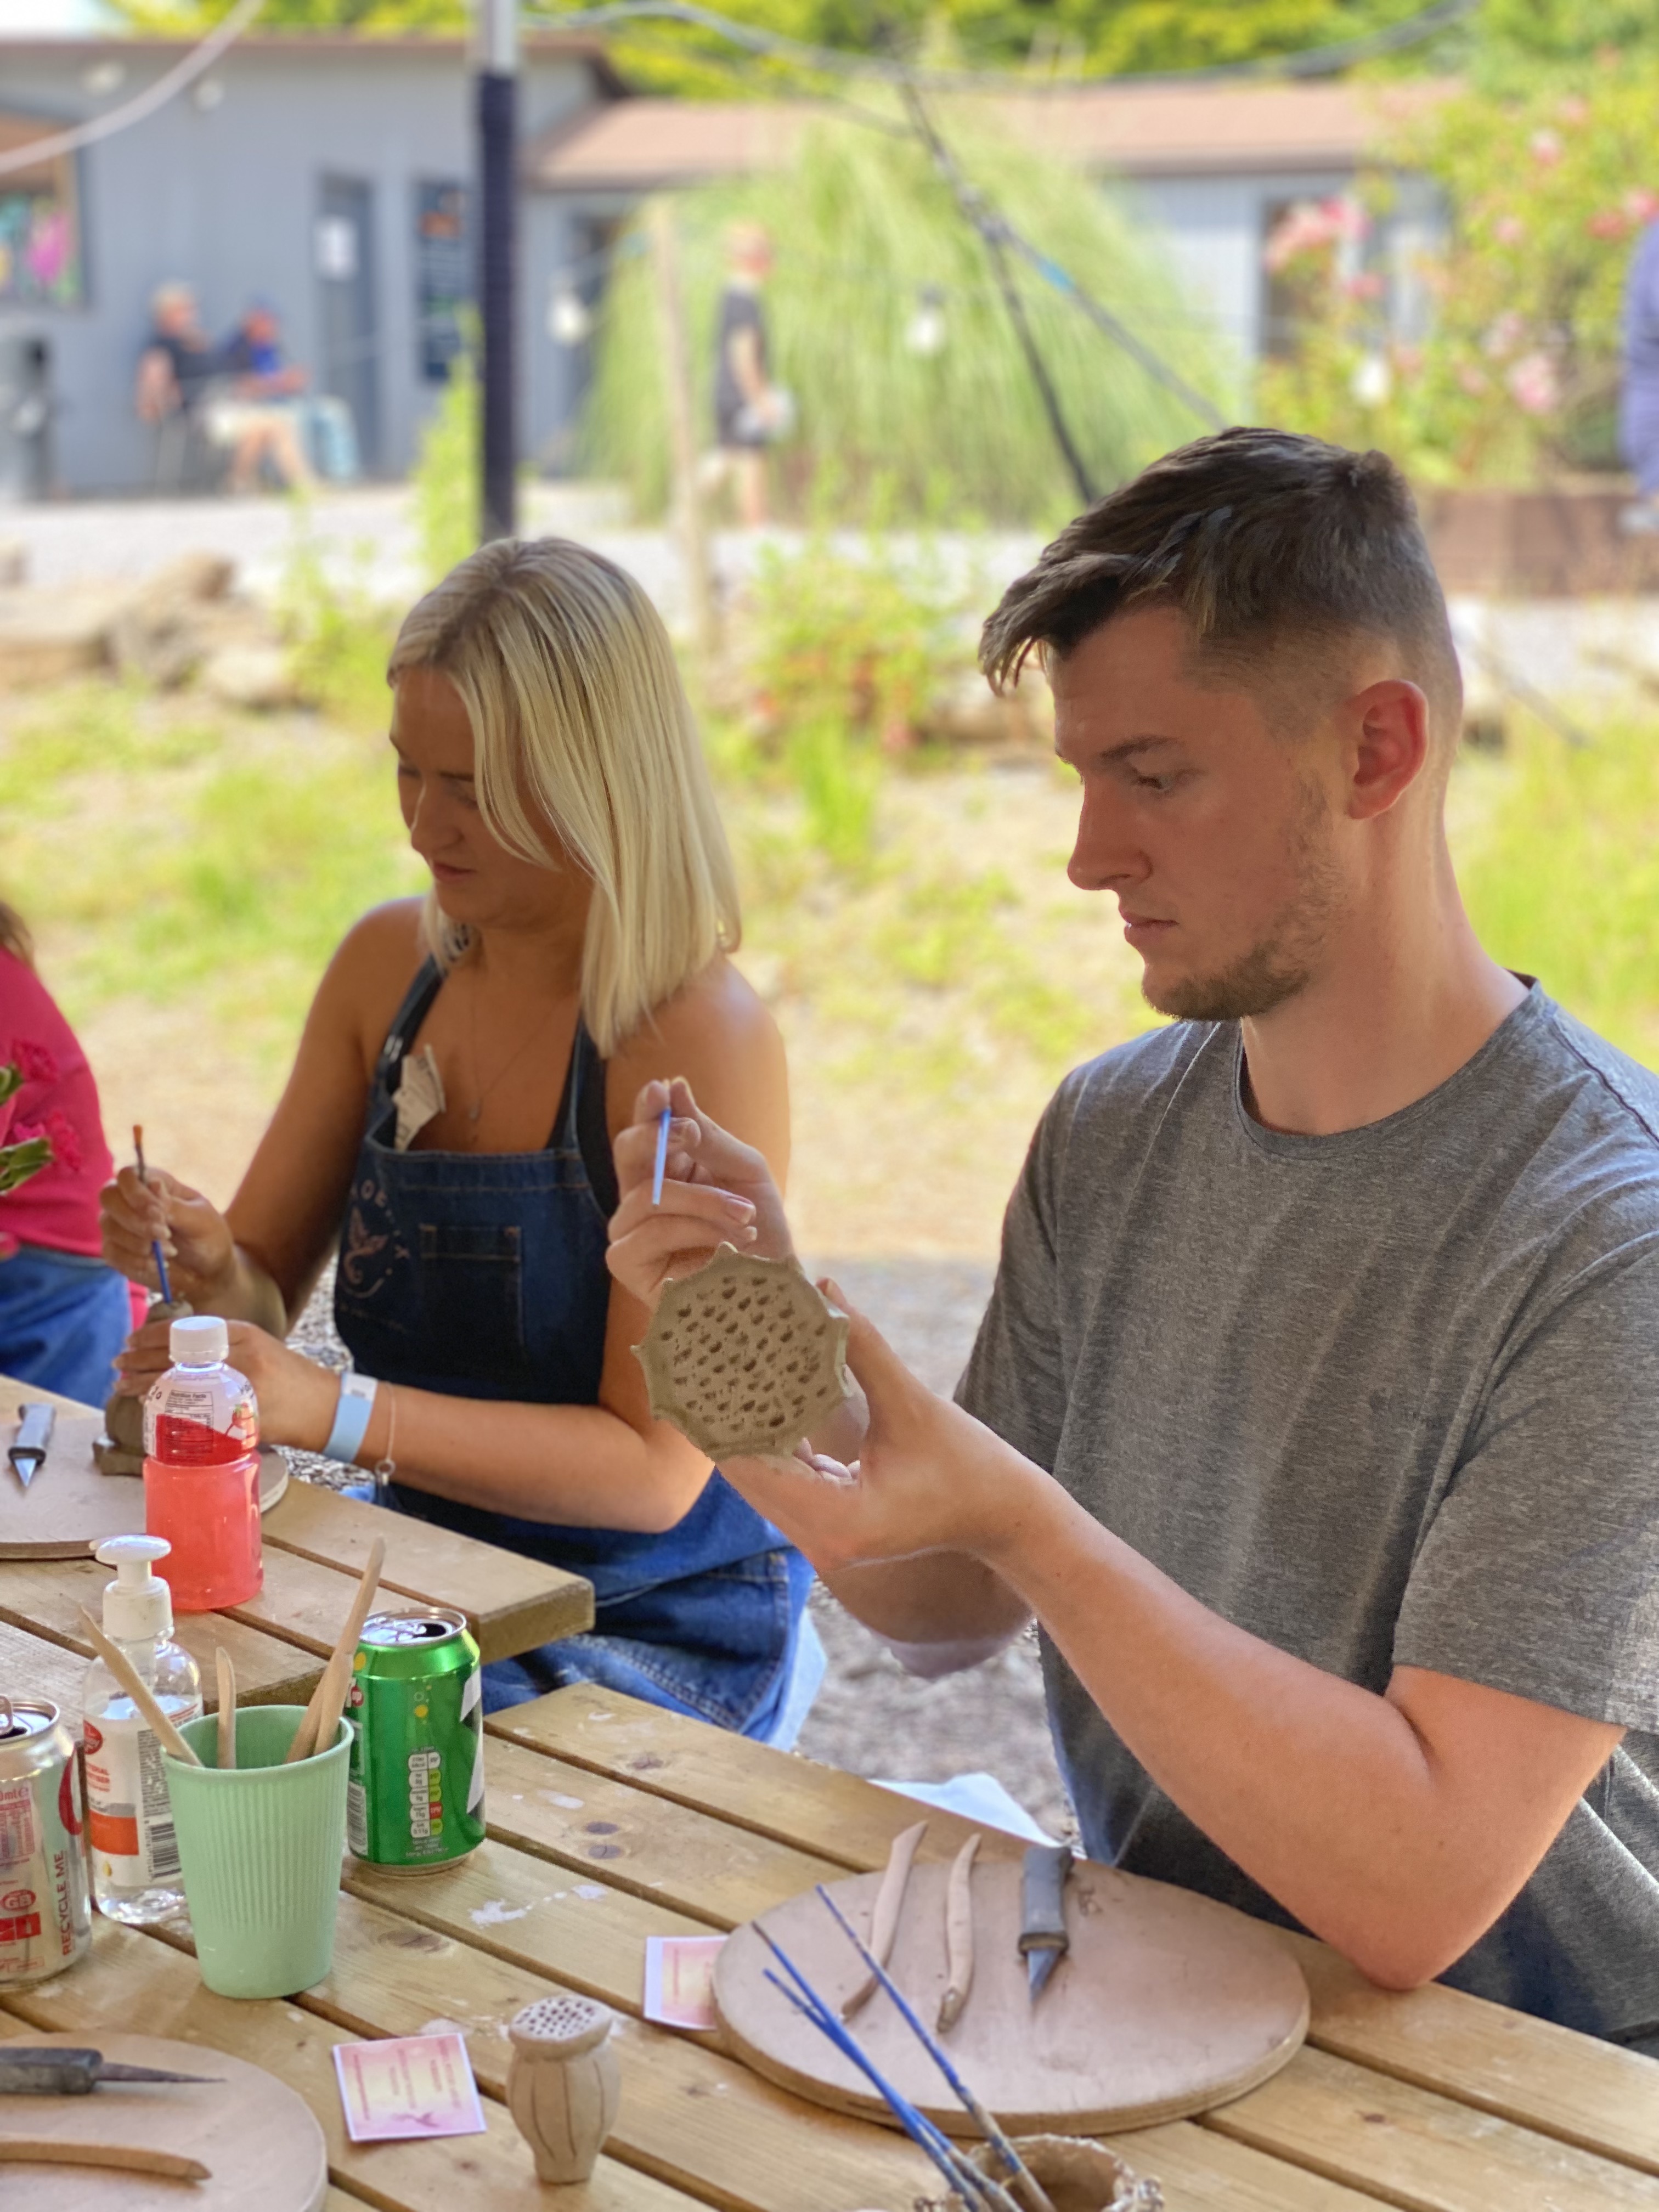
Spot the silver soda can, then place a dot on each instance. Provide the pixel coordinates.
(46, 1913)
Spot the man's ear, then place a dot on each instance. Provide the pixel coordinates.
(1387, 746)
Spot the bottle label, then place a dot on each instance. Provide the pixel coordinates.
(128, 1814)
(201, 1417)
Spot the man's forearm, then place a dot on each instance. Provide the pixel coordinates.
(1323, 1792)
(947, 1601)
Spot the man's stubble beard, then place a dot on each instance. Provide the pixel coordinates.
(1283, 962)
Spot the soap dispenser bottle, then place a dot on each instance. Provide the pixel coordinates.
(134, 1849)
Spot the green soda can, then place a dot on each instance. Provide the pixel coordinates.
(415, 1800)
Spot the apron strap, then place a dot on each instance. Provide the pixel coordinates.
(406, 1023)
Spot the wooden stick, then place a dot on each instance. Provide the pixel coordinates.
(227, 1707)
(133, 1683)
(890, 1901)
(322, 1716)
(958, 1936)
(48, 2150)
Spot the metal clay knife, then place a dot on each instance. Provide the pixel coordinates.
(50, 2069)
(32, 1441)
(1042, 1938)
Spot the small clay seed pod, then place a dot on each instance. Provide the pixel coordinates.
(562, 2084)
(120, 1450)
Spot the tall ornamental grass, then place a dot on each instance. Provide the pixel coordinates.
(867, 236)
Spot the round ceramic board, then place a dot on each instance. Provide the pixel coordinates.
(258, 2140)
(1166, 2004)
(70, 1506)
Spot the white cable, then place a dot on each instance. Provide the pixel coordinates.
(199, 58)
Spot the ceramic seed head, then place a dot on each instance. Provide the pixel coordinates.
(745, 1356)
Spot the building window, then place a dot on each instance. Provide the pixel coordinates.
(443, 287)
(40, 223)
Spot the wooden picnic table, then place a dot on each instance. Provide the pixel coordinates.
(315, 1543)
(611, 1821)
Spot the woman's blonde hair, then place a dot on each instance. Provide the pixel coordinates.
(580, 723)
(15, 935)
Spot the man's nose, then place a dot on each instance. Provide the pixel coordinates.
(1105, 853)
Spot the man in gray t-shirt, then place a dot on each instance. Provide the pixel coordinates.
(1316, 1415)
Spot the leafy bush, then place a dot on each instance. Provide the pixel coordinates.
(867, 237)
(1546, 190)
(445, 474)
(1563, 880)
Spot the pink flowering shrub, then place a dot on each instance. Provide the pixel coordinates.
(1518, 376)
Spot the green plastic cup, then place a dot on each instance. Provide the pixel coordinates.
(260, 1846)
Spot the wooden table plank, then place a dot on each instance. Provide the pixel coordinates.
(43, 1597)
(1574, 2086)
(832, 1814)
(1424, 2152)
(132, 1977)
(693, 1862)
(511, 1603)
(1203, 2171)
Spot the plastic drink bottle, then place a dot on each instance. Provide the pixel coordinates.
(202, 1469)
(133, 1848)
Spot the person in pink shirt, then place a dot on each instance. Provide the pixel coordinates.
(64, 1313)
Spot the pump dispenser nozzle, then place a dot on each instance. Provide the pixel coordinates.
(137, 1604)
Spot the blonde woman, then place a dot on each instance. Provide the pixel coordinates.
(447, 1127)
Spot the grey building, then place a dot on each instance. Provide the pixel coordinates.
(328, 175)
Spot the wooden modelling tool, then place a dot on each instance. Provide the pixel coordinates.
(138, 1690)
(227, 1673)
(321, 1720)
(562, 2085)
(884, 1916)
(1165, 2003)
(240, 2141)
(958, 1936)
(745, 1356)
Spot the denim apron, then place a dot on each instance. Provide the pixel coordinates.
(483, 1275)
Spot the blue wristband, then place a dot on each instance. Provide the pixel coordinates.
(345, 1439)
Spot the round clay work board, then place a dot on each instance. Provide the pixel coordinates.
(70, 1506)
(1166, 2004)
(258, 2140)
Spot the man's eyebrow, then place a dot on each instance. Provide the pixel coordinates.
(1128, 749)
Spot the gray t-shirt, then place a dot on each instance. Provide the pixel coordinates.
(1389, 1397)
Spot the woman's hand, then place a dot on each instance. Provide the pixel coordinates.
(928, 1477)
(715, 1191)
(194, 1236)
(297, 1397)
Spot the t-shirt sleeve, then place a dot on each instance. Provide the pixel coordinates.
(1540, 1572)
(1014, 1381)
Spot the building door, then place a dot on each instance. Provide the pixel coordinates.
(350, 366)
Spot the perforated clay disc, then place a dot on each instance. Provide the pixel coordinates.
(745, 1356)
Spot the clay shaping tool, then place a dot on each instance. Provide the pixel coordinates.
(139, 1691)
(958, 1936)
(657, 1172)
(1043, 1942)
(1030, 2187)
(28, 1449)
(226, 1706)
(155, 1241)
(27, 2150)
(884, 1920)
(50, 2070)
(321, 1717)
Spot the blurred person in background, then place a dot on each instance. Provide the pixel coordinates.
(176, 369)
(64, 1313)
(1638, 414)
(750, 412)
(255, 408)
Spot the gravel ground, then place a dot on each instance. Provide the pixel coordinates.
(871, 1718)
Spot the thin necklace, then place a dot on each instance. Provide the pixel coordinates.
(512, 1061)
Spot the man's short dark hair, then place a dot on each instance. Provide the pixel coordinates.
(1266, 542)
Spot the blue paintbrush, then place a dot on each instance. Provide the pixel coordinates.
(1036, 2196)
(971, 2184)
(155, 1242)
(663, 1120)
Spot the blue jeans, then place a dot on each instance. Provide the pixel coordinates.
(63, 1319)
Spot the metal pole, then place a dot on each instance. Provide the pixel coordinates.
(497, 100)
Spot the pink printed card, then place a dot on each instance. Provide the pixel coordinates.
(408, 2086)
(679, 1979)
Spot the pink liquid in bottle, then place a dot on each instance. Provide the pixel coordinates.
(202, 1470)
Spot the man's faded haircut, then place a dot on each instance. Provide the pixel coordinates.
(1274, 548)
